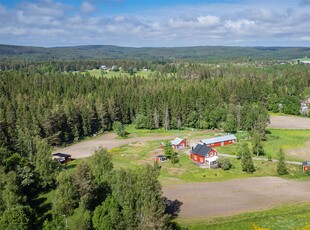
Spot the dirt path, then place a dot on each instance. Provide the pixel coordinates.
(203, 200)
(109, 141)
(289, 122)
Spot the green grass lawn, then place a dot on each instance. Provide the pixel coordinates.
(276, 139)
(188, 133)
(286, 139)
(137, 154)
(109, 74)
(286, 217)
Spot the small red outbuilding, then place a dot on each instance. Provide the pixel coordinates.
(178, 143)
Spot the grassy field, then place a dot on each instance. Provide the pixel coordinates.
(137, 154)
(108, 74)
(276, 139)
(287, 217)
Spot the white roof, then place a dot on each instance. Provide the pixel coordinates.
(176, 141)
(211, 159)
(219, 139)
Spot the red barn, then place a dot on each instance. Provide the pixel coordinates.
(219, 141)
(178, 143)
(204, 155)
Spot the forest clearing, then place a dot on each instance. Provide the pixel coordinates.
(110, 140)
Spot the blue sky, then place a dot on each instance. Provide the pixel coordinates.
(159, 23)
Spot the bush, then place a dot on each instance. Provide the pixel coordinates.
(119, 128)
(224, 163)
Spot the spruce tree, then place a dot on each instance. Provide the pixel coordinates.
(247, 162)
(282, 167)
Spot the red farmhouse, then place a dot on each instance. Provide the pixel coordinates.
(204, 155)
(219, 141)
(178, 143)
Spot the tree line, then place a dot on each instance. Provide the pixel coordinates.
(66, 107)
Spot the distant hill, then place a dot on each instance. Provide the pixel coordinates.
(94, 52)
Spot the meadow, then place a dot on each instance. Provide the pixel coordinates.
(109, 74)
(285, 217)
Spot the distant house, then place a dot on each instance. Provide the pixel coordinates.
(219, 141)
(304, 106)
(178, 143)
(204, 156)
(104, 67)
(160, 158)
(61, 157)
(305, 166)
(114, 68)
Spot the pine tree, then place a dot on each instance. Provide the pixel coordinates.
(168, 150)
(282, 167)
(247, 162)
(156, 119)
(257, 144)
(167, 119)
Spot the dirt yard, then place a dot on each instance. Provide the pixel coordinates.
(211, 199)
(109, 141)
(289, 122)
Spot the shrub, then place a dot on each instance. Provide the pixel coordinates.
(224, 163)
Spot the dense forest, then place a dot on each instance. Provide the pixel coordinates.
(66, 107)
(44, 105)
(99, 52)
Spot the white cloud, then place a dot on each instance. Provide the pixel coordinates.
(49, 23)
(208, 20)
(87, 7)
(238, 26)
(200, 21)
(305, 38)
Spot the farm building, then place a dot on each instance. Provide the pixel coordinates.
(178, 143)
(305, 166)
(61, 157)
(219, 141)
(204, 156)
(160, 158)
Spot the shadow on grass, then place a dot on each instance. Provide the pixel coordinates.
(173, 207)
(43, 210)
(71, 164)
